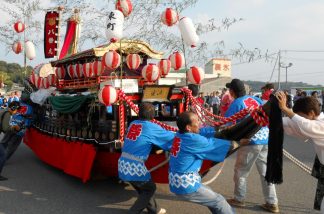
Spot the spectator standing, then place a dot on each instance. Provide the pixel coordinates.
(256, 152)
(214, 102)
(226, 101)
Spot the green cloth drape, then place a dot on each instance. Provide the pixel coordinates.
(69, 104)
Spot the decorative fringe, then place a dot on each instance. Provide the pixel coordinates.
(275, 145)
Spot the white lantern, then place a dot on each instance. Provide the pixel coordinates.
(177, 60)
(195, 75)
(30, 50)
(188, 32)
(107, 95)
(111, 60)
(114, 26)
(150, 72)
(133, 61)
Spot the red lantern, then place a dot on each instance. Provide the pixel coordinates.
(17, 47)
(52, 79)
(107, 95)
(78, 71)
(19, 27)
(70, 71)
(169, 17)
(177, 60)
(46, 82)
(33, 78)
(150, 72)
(60, 72)
(164, 66)
(97, 68)
(111, 60)
(195, 75)
(125, 6)
(133, 61)
(87, 70)
(39, 82)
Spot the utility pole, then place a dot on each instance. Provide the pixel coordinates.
(279, 56)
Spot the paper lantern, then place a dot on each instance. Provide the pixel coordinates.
(195, 75)
(70, 71)
(87, 70)
(33, 78)
(46, 82)
(188, 32)
(164, 66)
(124, 6)
(60, 72)
(30, 50)
(78, 73)
(52, 79)
(114, 26)
(19, 27)
(133, 61)
(177, 60)
(107, 95)
(17, 47)
(169, 17)
(150, 72)
(97, 68)
(39, 82)
(111, 60)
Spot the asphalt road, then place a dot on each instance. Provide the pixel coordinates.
(36, 188)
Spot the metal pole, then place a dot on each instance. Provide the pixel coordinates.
(286, 78)
(279, 70)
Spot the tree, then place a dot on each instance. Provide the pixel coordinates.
(144, 23)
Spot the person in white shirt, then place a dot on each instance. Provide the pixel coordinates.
(306, 120)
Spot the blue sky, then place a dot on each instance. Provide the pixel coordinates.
(268, 25)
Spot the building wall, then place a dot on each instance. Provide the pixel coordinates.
(219, 67)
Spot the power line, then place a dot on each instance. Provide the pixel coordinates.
(304, 51)
(274, 66)
(304, 59)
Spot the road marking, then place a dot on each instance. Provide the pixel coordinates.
(3, 188)
(27, 193)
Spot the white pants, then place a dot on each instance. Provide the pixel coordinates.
(246, 157)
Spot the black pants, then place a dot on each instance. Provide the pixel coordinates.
(11, 141)
(145, 190)
(318, 172)
(215, 109)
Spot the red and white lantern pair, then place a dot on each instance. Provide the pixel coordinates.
(169, 17)
(107, 95)
(75, 71)
(111, 59)
(177, 60)
(124, 6)
(17, 47)
(133, 61)
(150, 72)
(195, 75)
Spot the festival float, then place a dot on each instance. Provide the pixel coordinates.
(83, 102)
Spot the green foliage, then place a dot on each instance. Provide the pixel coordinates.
(12, 73)
(256, 85)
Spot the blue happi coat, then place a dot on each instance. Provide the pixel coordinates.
(186, 157)
(261, 137)
(140, 138)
